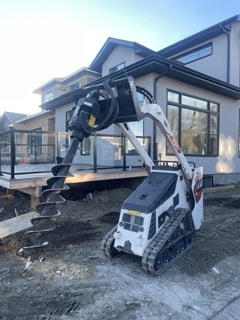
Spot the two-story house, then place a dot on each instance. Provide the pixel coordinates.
(60, 86)
(197, 83)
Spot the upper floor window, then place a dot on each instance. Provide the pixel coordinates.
(117, 67)
(196, 54)
(48, 96)
(74, 86)
(194, 123)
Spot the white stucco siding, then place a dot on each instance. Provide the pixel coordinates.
(235, 54)
(120, 54)
(214, 65)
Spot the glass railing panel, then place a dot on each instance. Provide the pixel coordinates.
(109, 151)
(84, 157)
(37, 152)
(5, 152)
(133, 159)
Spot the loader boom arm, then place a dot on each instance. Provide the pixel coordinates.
(155, 112)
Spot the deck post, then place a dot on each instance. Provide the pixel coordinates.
(12, 151)
(124, 153)
(95, 153)
(35, 193)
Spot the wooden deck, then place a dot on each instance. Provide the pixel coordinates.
(33, 183)
(38, 180)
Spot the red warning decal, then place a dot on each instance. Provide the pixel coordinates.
(198, 188)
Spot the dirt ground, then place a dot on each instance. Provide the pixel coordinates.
(13, 204)
(76, 281)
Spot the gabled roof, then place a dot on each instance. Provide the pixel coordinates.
(64, 80)
(13, 116)
(199, 37)
(49, 83)
(36, 115)
(161, 66)
(110, 44)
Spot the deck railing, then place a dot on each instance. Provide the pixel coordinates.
(24, 152)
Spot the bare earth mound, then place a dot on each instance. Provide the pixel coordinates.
(77, 282)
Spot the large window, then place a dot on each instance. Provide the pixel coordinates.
(47, 96)
(194, 123)
(196, 54)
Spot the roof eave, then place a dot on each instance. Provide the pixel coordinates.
(197, 38)
(109, 45)
(159, 65)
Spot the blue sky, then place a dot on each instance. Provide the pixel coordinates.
(43, 39)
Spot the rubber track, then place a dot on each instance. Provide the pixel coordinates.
(107, 242)
(158, 243)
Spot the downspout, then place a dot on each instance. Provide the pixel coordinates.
(155, 144)
(227, 32)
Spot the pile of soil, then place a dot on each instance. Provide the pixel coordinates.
(76, 281)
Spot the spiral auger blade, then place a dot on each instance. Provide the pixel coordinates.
(35, 239)
(89, 116)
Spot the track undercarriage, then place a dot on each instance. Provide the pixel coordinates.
(173, 240)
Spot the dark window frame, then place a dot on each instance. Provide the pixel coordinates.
(181, 106)
(198, 49)
(116, 67)
(48, 96)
